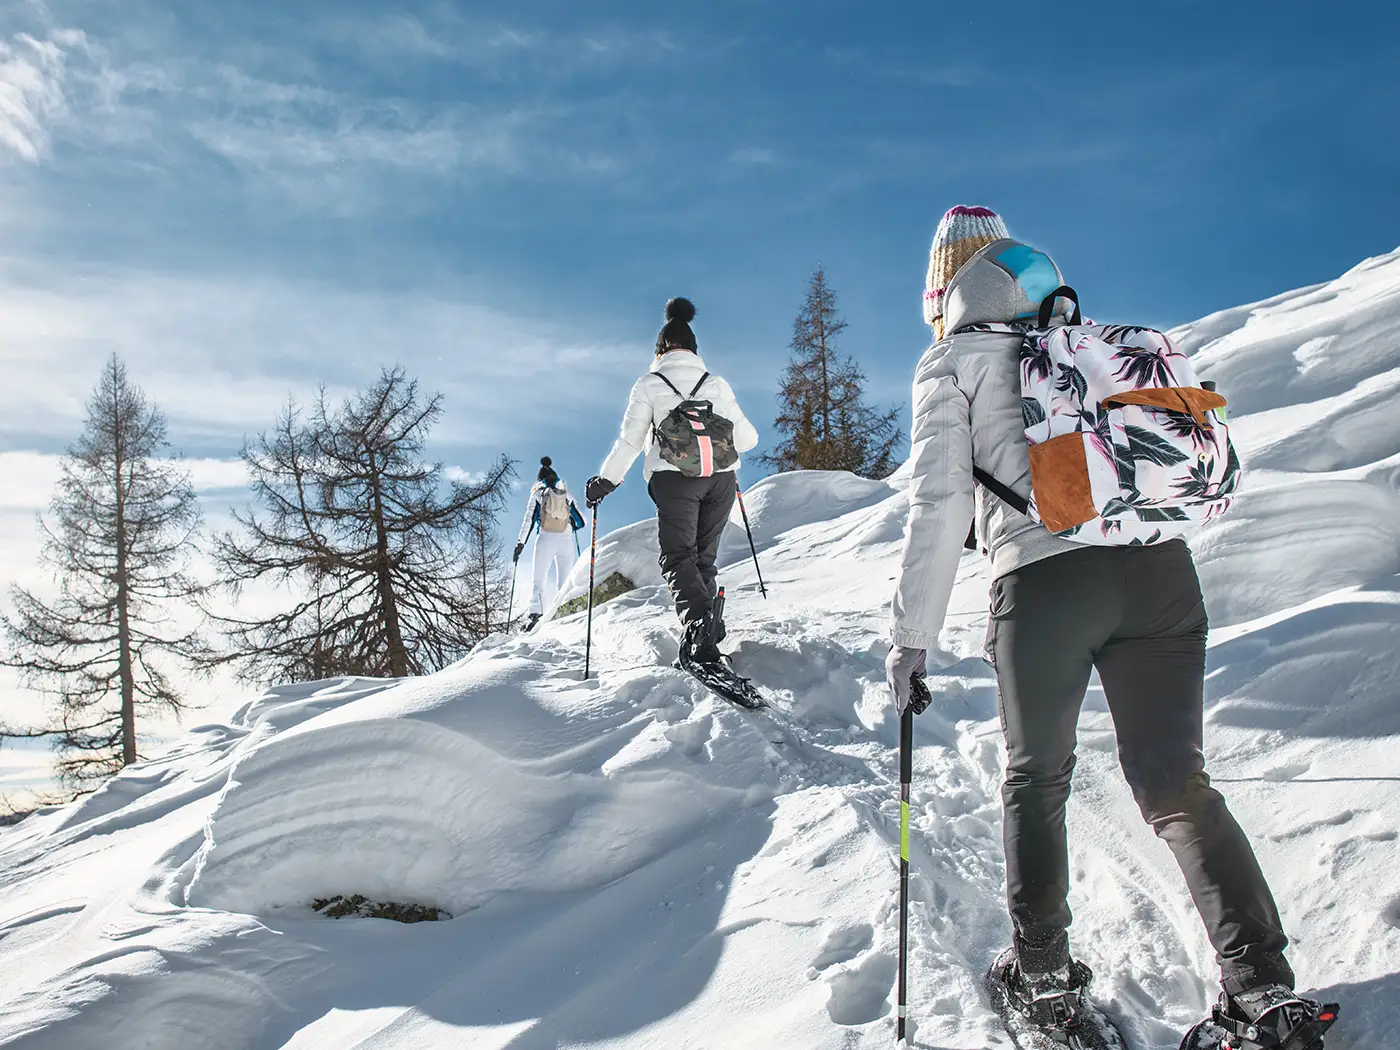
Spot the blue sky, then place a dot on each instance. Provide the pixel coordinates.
(246, 202)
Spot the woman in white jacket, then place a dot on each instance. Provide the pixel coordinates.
(691, 512)
(552, 509)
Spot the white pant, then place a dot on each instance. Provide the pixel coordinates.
(556, 550)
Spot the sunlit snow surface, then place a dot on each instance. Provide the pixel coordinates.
(633, 864)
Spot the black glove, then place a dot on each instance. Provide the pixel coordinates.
(518, 548)
(595, 490)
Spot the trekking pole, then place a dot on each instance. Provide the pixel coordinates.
(514, 569)
(592, 564)
(510, 608)
(906, 774)
(749, 532)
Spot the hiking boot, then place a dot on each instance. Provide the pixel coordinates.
(1273, 1017)
(530, 622)
(698, 645)
(1046, 1000)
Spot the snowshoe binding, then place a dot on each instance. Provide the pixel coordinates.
(1050, 1011)
(701, 659)
(1271, 1017)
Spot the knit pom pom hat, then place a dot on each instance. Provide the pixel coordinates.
(547, 474)
(962, 232)
(676, 333)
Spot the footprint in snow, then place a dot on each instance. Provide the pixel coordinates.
(842, 944)
(860, 993)
(1391, 913)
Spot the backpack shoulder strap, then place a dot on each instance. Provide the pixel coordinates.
(1000, 491)
(1047, 306)
(662, 377)
(696, 388)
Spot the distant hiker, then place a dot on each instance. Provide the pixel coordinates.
(553, 511)
(1062, 607)
(692, 430)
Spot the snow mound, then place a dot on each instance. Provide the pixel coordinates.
(1313, 380)
(399, 809)
(631, 863)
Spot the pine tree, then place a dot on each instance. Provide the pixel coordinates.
(382, 553)
(118, 538)
(828, 425)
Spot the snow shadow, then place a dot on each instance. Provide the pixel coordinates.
(538, 961)
(1328, 671)
(1367, 1020)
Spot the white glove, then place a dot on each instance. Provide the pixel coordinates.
(901, 666)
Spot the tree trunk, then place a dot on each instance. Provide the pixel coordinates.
(124, 654)
(485, 588)
(820, 318)
(398, 655)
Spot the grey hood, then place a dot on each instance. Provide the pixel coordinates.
(1003, 282)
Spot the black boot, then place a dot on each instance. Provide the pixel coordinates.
(1269, 1017)
(698, 645)
(1045, 1000)
(530, 622)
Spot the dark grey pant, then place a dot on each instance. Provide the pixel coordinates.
(690, 517)
(1137, 615)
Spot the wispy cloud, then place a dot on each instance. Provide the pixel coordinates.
(221, 354)
(323, 138)
(754, 156)
(32, 76)
(492, 47)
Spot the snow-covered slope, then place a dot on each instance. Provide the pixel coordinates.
(632, 864)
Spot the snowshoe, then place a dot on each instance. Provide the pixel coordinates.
(1050, 1011)
(726, 684)
(1272, 1017)
(701, 659)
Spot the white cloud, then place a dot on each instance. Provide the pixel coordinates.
(32, 75)
(221, 355)
(754, 155)
(305, 135)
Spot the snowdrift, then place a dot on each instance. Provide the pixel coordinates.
(632, 864)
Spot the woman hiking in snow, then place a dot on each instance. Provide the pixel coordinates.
(552, 510)
(690, 479)
(1059, 610)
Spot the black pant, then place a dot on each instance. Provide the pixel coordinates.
(1136, 614)
(690, 517)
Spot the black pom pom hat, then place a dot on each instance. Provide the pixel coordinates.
(675, 334)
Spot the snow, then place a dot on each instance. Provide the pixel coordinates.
(632, 864)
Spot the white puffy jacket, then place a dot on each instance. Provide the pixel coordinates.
(967, 408)
(652, 400)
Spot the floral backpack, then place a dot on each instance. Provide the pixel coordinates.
(1126, 446)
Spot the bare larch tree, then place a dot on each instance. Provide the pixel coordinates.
(377, 547)
(823, 417)
(118, 538)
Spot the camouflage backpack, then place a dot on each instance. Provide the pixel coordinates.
(693, 438)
